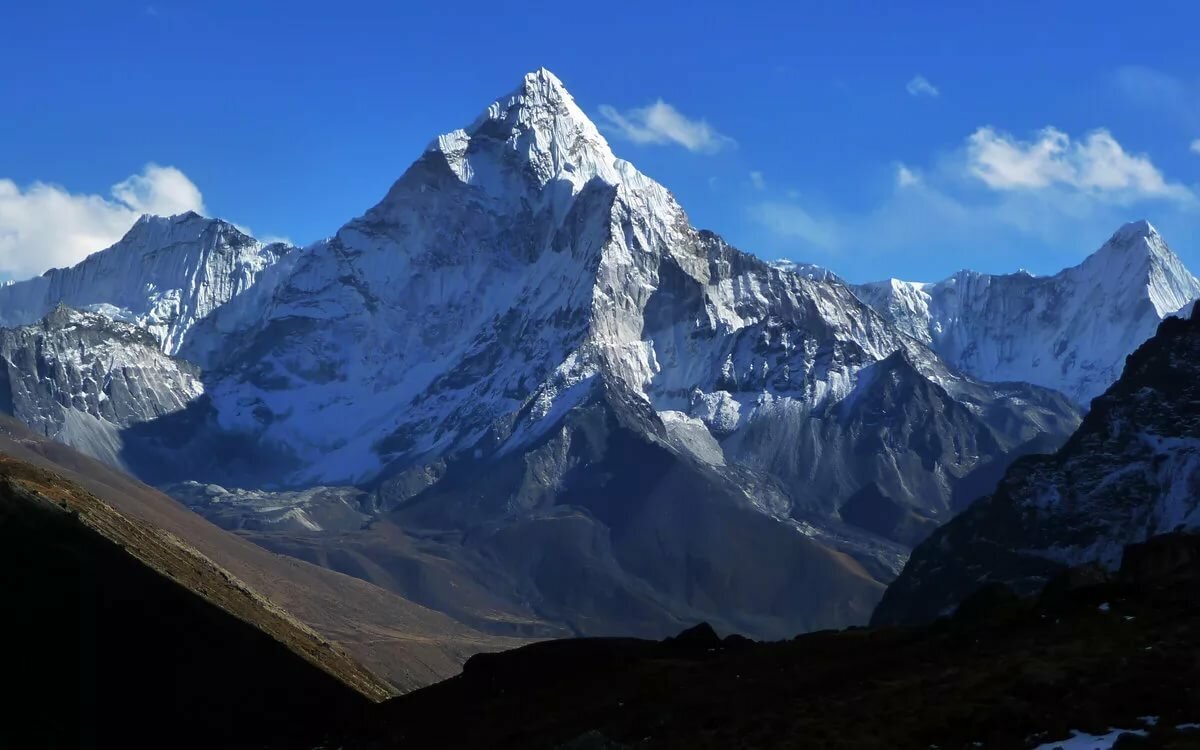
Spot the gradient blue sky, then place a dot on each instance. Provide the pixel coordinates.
(796, 130)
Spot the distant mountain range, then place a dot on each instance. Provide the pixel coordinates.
(524, 391)
(1071, 331)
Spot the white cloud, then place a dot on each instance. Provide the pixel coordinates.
(660, 123)
(161, 191)
(920, 86)
(758, 181)
(1196, 146)
(1095, 164)
(44, 226)
(906, 177)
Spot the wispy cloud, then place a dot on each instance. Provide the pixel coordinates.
(919, 85)
(44, 225)
(758, 181)
(792, 221)
(1095, 163)
(1196, 146)
(906, 177)
(661, 124)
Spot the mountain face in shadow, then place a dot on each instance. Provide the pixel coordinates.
(1131, 471)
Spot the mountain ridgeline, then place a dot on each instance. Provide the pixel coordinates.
(524, 391)
(1071, 331)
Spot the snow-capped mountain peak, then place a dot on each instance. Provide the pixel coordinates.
(538, 125)
(1138, 251)
(1070, 331)
(166, 274)
(534, 137)
(809, 271)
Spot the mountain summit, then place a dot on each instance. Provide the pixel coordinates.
(1137, 252)
(165, 275)
(1070, 331)
(541, 125)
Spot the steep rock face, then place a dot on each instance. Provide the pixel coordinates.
(807, 270)
(1130, 472)
(606, 527)
(428, 324)
(164, 275)
(82, 378)
(1071, 331)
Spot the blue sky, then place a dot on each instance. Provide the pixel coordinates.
(877, 140)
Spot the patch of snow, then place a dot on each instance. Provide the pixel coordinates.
(1084, 741)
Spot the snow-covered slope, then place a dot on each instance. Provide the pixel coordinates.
(81, 378)
(1130, 472)
(1071, 331)
(807, 270)
(164, 275)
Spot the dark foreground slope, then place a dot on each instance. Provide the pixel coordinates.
(408, 645)
(120, 635)
(1003, 673)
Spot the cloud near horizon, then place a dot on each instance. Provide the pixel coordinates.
(45, 226)
(662, 124)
